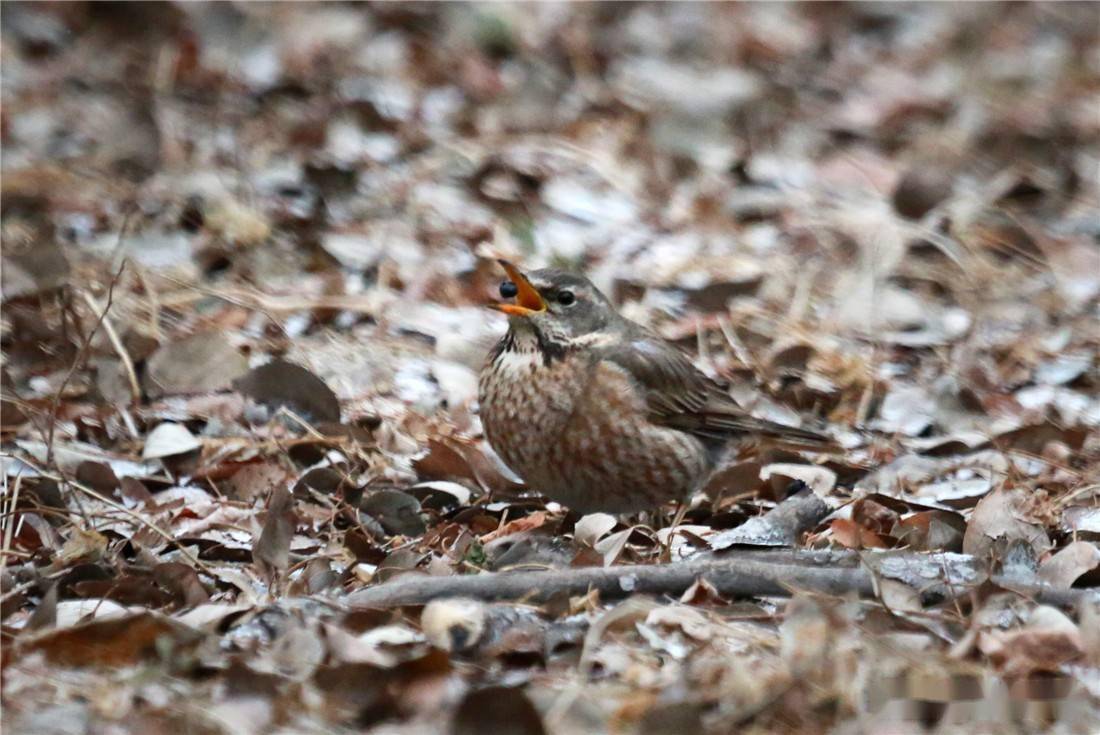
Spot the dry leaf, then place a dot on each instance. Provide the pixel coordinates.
(271, 552)
(169, 440)
(200, 363)
(527, 523)
(996, 521)
(592, 527)
(821, 480)
(1064, 567)
(280, 383)
(397, 512)
(113, 642)
(503, 710)
(1047, 641)
(853, 535)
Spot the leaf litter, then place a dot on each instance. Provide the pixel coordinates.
(880, 219)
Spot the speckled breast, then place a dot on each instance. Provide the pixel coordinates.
(579, 434)
(525, 403)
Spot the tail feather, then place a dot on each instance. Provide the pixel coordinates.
(722, 425)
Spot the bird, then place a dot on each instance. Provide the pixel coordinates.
(597, 412)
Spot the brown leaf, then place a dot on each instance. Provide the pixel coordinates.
(128, 589)
(821, 480)
(1047, 641)
(612, 547)
(853, 535)
(1034, 438)
(898, 597)
(443, 461)
(33, 532)
(365, 693)
(355, 692)
(112, 642)
(280, 383)
(399, 561)
(527, 523)
(666, 717)
(920, 189)
(741, 478)
(200, 363)
(592, 527)
(45, 615)
(500, 710)
(135, 491)
(255, 479)
(97, 475)
(271, 552)
(703, 593)
(1062, 569)
(317, 577)
(790, 357)
(183, 582)
(397, 512)
(34, 267)
(932, 530)
(803, 634)
(11, 416)
(998, 518)
(874, 516)
(450, 459)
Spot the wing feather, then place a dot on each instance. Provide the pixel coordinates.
(680, 396)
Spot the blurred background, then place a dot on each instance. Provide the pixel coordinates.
(883, 216)
(327, 180)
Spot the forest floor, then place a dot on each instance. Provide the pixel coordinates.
(246, 254)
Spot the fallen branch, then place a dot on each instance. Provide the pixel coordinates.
(781, 526)
(741, 574)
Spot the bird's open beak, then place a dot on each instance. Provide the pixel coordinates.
(528, 300)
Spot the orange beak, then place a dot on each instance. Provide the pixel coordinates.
(528, 300)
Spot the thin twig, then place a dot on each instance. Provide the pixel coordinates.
(734, 342)
(308, 427)
(120, 349)
(18, 589)
(130, 514)
(154, 304)
(1065, 500)
(148, 524)
(251, 298)
(81, 356)
(9, 526)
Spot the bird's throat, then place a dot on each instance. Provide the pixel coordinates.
(529, 339)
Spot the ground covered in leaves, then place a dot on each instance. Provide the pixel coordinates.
(246, 250)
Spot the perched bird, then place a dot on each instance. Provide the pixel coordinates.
(598, 412)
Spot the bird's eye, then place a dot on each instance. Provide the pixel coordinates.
(508, 290)
(565, 298)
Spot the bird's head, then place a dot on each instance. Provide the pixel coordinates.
(554, 305)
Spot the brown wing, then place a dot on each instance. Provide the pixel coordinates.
(680, 396)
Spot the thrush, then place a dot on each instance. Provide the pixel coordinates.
(598, 412)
